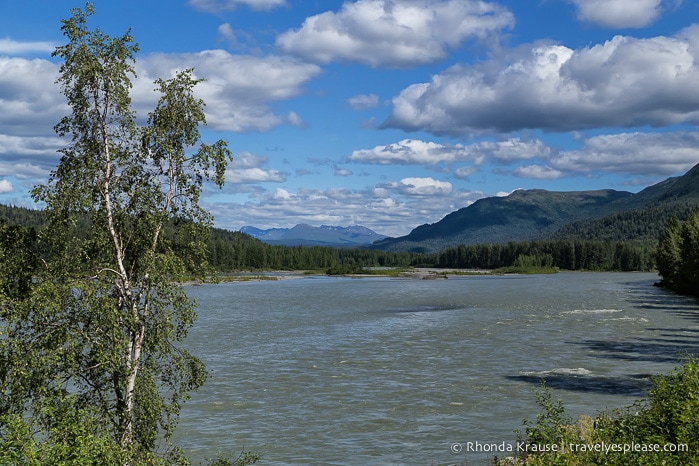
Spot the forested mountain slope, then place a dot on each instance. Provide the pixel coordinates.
(537, 214)
(524, 215)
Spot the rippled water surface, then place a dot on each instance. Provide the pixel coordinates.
(345, 371)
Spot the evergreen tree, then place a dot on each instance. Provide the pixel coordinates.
(668, 254)
(677, 255)
(688, 270)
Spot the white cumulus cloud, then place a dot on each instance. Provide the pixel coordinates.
(636, 153)
(363, 101)
(247, 168)
(394, 33)
(238, 91)
(13, 47)
(238, 88)
(539, 172)
(5, 187)
(415, 186)
(253, 175)
(623, 82)
(618, 13)
(417, 152)
(30, 101)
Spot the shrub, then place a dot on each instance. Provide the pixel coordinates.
(662, 429)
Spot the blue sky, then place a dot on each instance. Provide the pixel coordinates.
(385, 113)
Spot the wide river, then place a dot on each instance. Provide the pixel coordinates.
(386, 371)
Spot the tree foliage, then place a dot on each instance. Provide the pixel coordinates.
(644, 224)
(230, 251)
(93, 337)
(565, 254)
(661, 429)
(678, 255)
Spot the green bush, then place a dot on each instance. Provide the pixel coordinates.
(63, 434)
(662, 429)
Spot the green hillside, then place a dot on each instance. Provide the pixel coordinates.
(644, 224)
(21, 216)
(522, 216)
(537, 214)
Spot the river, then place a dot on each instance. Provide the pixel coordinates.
(358, 371)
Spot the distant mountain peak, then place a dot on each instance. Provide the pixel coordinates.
(308, 235)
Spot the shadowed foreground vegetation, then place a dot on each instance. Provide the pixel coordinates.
(661, 429)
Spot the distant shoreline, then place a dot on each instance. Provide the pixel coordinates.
(416, 273)
(421, 273)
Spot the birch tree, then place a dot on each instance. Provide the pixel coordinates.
(99, 331)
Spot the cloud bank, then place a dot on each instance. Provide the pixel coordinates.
(392, 33)
(238, 91)
(624, 82)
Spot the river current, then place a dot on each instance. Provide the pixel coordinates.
(388, 371)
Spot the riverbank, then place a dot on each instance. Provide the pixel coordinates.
(393, 272)
(425, 273)
(415, 273)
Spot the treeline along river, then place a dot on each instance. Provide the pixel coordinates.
(230, 251)
(356, 371)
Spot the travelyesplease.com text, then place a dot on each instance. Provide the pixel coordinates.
(525, 447)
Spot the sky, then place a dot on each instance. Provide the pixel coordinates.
(384, 113)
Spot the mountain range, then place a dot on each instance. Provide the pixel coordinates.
(324, 235)
(524, 215)
(537, 214)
